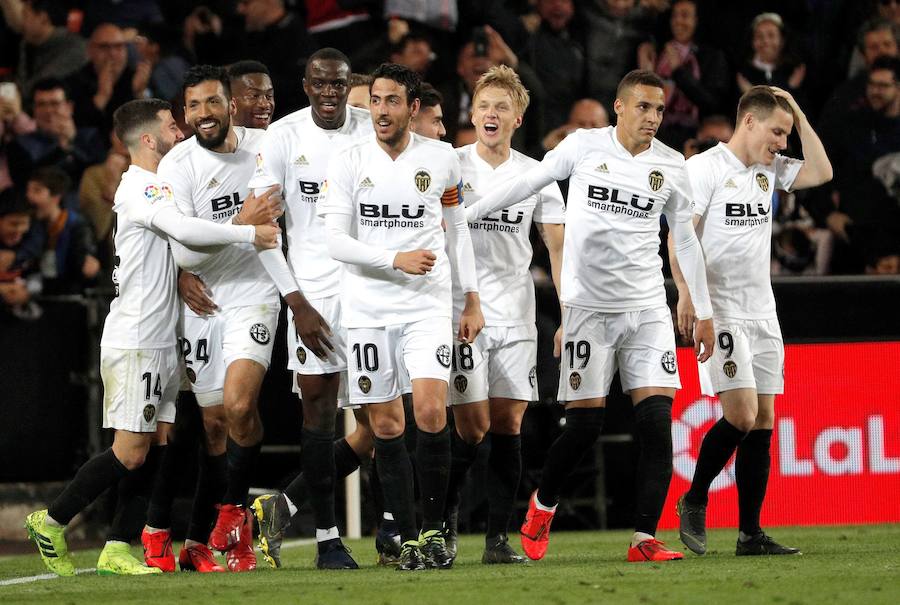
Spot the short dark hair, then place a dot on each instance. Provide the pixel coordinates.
(360, 80)
(204, 73)
(414, 36)
(761, 102)
(638, 77)
(48, 84)
(53, 178)
(134, 115)
(429, 95)
(887, 63)
(328, 54)
(57, 12)
(13, 202)
(248, 66)
(873, 25)
(402, 75)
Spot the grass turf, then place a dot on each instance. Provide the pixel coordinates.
(840, 565)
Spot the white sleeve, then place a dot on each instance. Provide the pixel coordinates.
(550, 207)
(701, 182)
(193, 231)
(509, 192)
(459, 248)
(277, 267)
(679, 214)
(786, 171)
(175, 176)
(337, 191)
(347, 249)
(270, 163)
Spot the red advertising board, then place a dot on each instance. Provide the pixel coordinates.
(836, 444)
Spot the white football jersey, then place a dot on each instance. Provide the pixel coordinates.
(395, 205)
(735, 203)
(295, 154)
(145, 310)
(611, 259)
(213, 186)
(501, 240)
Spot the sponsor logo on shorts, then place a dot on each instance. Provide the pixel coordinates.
(423, 180)
(656, 179)
(443, 355)
(574, 380)
(260, 333)
(301, 354)
(191, 374)
(730, 368)
(461, 383)
(532, 376)
(763, 181)
(365, 384)
(668, 362)
(149, 412)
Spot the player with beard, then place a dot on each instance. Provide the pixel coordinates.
(209, 175)
(138, 360)
(494, 378)
(295, 154)
(614, 312)
(254, 100)
(392, 192)
(733, 185)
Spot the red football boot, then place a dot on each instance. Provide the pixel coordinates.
(242, 557)
(535, 531)
(652, 550)
(198, 558)
(227, 532)
(158, 550)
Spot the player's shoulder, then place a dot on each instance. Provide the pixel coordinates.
(359, 116)
(464, 152)
(433, 147)
(663, 152)
(714, 158)
(178, 154)
(250, 138)
(591, 138)
(287, 124)
(520, 159)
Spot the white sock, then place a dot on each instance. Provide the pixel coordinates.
(639, 537)
(387, 516)
(52, 522)
(541, 506)
(189, 543)
(113, 542)
(153, 530)
(323, 535)
(292, 509)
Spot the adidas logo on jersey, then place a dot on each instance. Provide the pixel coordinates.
(729, 184)
(301, 161)
(366, 182)
(602, 168)
(213, 183)
(467, 188)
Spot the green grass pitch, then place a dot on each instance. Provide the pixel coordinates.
(854, 564)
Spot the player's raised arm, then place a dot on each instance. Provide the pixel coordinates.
(816, 169)
(193, 231)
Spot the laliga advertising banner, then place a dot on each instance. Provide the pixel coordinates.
(836, 444)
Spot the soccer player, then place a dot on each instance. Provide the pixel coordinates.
(493, 379)
(392, 191)
(138, 361)
(254, 101)
(429, 120)
(295, 154)
(230, 350)
(614, 312)
(733, 184)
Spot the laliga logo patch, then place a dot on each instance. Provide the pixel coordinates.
(730, 368)
(260, 333)
(461, 383)
(167, 192)
(668, 362)
(443, 355)
(574, 380)
(656, 179)
(191, 374)
(532, 376)
(149, 412)
(365, 385)
(151, 192)
(693, 418)
(301, 354)
(423, 180)
(259, 161)
(763, 181)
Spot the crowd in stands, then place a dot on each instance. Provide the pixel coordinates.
(65, 66)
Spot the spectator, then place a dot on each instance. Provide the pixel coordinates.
(696, 77)
(557, 59)
(771, 62)
(253, 94)
(13, 122)
(56, 141)
(887, 11)
(713, 130)
(615, 29)
(106, 82)
(883, 258)
(337, 24)
(47, 49)
(127, 14)
(96, 196)
(414, 51)
(429, 120)
(16, 267)
(160, 47)
(585, 113)
(68, 259)
(359, 90)
(266, 31)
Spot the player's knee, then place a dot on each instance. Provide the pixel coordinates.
(743, 421)
(132, 458)
(216, 430)
(473, 433)
(431, 418)
(506, 423)
(765, 419)
(387, 427)
(239, 410)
